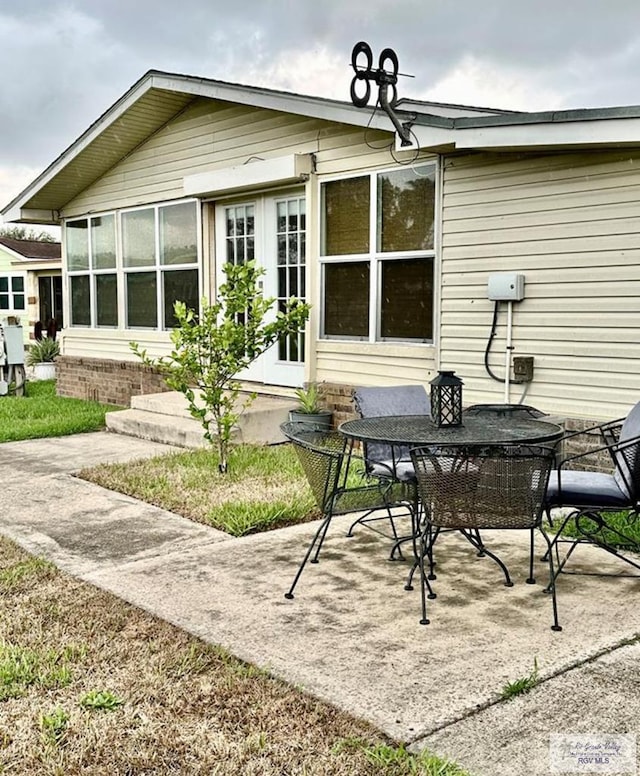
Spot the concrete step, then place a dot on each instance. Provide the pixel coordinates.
(164, 417)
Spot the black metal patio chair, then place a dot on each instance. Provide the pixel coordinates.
(339, 484)
(475, 487)
(594, 497)
(385, 461)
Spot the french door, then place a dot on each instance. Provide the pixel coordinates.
(270, 230)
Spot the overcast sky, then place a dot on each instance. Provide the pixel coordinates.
(65, 63)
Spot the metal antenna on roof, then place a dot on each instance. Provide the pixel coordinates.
(386, 77)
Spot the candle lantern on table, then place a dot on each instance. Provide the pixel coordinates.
(446, 399)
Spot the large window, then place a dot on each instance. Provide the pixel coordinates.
(155, 266)
(377, 255)
(160, 256)
(12, 293)
(91, 264)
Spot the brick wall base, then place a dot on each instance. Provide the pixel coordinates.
(105, 380)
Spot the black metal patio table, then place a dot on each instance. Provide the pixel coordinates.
(490, 428)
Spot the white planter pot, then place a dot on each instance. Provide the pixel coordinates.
(44, 371)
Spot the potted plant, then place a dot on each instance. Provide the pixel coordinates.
(41, 356)
(309, 409)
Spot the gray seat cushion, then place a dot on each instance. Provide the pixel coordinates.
(585, 489)
(391, 400)
(400, 470)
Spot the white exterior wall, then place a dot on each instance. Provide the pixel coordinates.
(209, 136)
(571, 224)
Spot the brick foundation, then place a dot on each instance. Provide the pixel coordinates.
(105, 380)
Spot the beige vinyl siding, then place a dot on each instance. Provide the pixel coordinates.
(208, 135)
(571, 224)
(364, 363)
(113, 344)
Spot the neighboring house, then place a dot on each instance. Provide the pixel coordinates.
(393, 247)
(31, 284)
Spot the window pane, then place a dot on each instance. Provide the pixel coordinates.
(4, 284)
(178, 234)
(80, 301)
(407, 299)
(346, 299)
(103, 242)
(17, 284)
(106, 300)
(345, 228)
(77, 244)
(406, 208)
(142, 296)
(18, 302)
(179, 285)
(138, 238)
(4, 301)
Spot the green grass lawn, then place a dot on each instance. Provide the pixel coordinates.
(264, 488)
(40, 413)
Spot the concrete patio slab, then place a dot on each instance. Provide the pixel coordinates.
(352, 634)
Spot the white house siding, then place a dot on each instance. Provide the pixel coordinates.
(364, 363)
(571, 224)
(208, 136)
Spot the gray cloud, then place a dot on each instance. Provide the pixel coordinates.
(64, 63)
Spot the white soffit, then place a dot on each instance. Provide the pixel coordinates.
(262, 172)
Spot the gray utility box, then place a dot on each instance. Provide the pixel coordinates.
(506, 287)
(13, 345)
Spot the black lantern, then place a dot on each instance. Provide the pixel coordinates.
(446, 399)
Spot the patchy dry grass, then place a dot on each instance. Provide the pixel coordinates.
(108, 689)
(264, 489)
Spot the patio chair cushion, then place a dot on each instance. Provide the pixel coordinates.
(585, 489)
(400, 470)
(388, 400)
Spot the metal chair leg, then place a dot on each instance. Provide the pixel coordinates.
(320, 534)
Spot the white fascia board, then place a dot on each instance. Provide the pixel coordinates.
(282, 169)
(30, 216)
(315, 107)
(431, 137)
(33, 265)
(557, 135)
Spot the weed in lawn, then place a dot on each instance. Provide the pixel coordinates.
(399, 761)
(21, 667)
(54, 726)
(101, 699)
(521, 685)
(12, 576)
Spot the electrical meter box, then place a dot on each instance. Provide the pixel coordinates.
(506, 287)
(14, 344)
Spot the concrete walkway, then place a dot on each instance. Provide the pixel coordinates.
(352, 635)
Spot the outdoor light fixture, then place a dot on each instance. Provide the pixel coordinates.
(446, 399)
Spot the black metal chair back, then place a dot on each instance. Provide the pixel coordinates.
(477, 487)
(337, 488)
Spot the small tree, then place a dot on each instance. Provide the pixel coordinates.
(209, 350)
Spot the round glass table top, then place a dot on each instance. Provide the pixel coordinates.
(475, 429)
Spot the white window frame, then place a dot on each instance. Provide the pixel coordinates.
(121, 271)
(375, 258)
(159, 268)
(11, 294)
